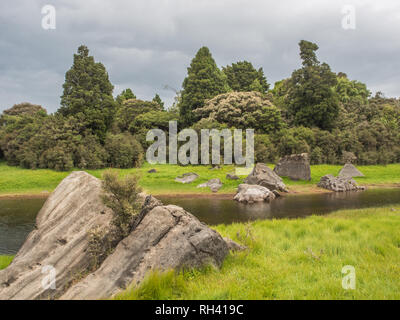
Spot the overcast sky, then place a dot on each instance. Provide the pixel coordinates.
(147, 44)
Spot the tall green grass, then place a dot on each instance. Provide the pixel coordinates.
(295, 259)
(15, 180)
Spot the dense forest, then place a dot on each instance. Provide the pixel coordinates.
(316, 110)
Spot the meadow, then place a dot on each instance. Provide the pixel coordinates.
(295, 259)
(19, 181)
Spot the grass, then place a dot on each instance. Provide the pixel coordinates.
(15, 180)
(284, 261)
(5, 261)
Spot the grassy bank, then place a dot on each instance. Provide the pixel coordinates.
(14, 180)
(285, 261)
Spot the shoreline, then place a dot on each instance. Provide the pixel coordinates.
(296, 190)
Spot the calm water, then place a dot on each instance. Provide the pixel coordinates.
(17, 217)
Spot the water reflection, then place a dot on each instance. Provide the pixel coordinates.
(17, 217)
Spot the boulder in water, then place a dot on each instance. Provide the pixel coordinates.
(253, 193)
(295, 167)
(262, 175)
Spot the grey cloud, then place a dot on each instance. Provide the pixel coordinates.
(146, 44)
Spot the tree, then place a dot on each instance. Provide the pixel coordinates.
(204, 81)
(88, 91)
(24, 108)
(125, 95)
(242, 76)
(311, 99)
(158, 100)
(243, 110)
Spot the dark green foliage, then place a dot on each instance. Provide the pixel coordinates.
(124, 151)
(132, 108)
(158, 100)
(88, 93)
(122, 197)
(310, 99)
(125, 95)
(204, 81)
(242, 76)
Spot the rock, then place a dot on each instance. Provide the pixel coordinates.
(295, 167)
(152, 171)
(253, 193)
(231, 176)
(187, 177)
(213, 184)
(264, 176)
(350, 171)
(339, 184)
(162, 238)
(167, 238)
(60, 239)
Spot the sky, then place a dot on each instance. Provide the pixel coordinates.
(147, 45)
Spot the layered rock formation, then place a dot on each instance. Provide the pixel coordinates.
(295, 167)
(264, 176)
(339, 184)
(163, 237)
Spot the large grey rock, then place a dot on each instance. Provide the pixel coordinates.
(60, 239)
(213, 184)
(253, 193)
(295, 167)
(167, 238)
(339, 184)
(350, 171)
(187, 177)
(264, 176)
(163, 237)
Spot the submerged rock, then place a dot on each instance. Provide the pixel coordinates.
(295, 167)
(213, 184)
(253, 193)
(350, 171)
(339, 184)
(162, 238)
(264, 176)
(187, 177)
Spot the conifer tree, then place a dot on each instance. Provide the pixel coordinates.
(204, 81)
(88, 93)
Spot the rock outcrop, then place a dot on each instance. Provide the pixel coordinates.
(350, 171)
(187, 177)
(213, 184)
(167, 238)
(163, 237)
(295, 167)
(264, 176)
(339, 184)
(253, 193)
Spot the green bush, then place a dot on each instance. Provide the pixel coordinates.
(124, 151)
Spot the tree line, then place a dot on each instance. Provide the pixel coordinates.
(315, 110)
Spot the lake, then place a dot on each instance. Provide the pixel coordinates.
(17, 216)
